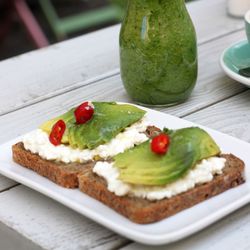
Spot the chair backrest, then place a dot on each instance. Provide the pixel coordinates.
(63, 26)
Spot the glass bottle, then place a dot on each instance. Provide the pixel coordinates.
(158, 52)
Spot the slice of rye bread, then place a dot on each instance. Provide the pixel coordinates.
(63, 174)
(143, 211)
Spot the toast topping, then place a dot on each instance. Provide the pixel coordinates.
(57, 132)
(38, 142)
(202, 173)
(160, 143)
(109, 119)
(188, 146)
(84, 112)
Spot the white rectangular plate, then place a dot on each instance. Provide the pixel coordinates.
(168, 230)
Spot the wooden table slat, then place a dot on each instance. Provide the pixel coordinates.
(51, 225)
(6, 183)
(229, 233)
(230, 116)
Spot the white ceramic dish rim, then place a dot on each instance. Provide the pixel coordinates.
(133, 234)
(229, 72)
(247, 17)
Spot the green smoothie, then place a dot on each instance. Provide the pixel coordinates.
(158, 52)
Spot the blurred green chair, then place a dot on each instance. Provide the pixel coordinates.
(63, 26)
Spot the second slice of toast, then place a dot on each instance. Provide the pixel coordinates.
(143, 211)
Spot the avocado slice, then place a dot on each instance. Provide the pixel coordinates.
(188, 146)
(109, 119)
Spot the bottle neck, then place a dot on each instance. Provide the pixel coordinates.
(156, 4)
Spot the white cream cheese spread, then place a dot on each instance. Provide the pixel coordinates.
(203, 172)
(38, 142)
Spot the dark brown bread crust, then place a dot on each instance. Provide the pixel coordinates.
(65, 175)
(144, 211)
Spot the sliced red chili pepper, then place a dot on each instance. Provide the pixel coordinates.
(57, 132)
(160, 143)
(84, 113)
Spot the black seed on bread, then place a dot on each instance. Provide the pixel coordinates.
(144, 211)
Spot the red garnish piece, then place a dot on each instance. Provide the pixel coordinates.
(84, 113)
(160, 143)
(57, 132)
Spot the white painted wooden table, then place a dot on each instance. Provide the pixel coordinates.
(44, 83)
